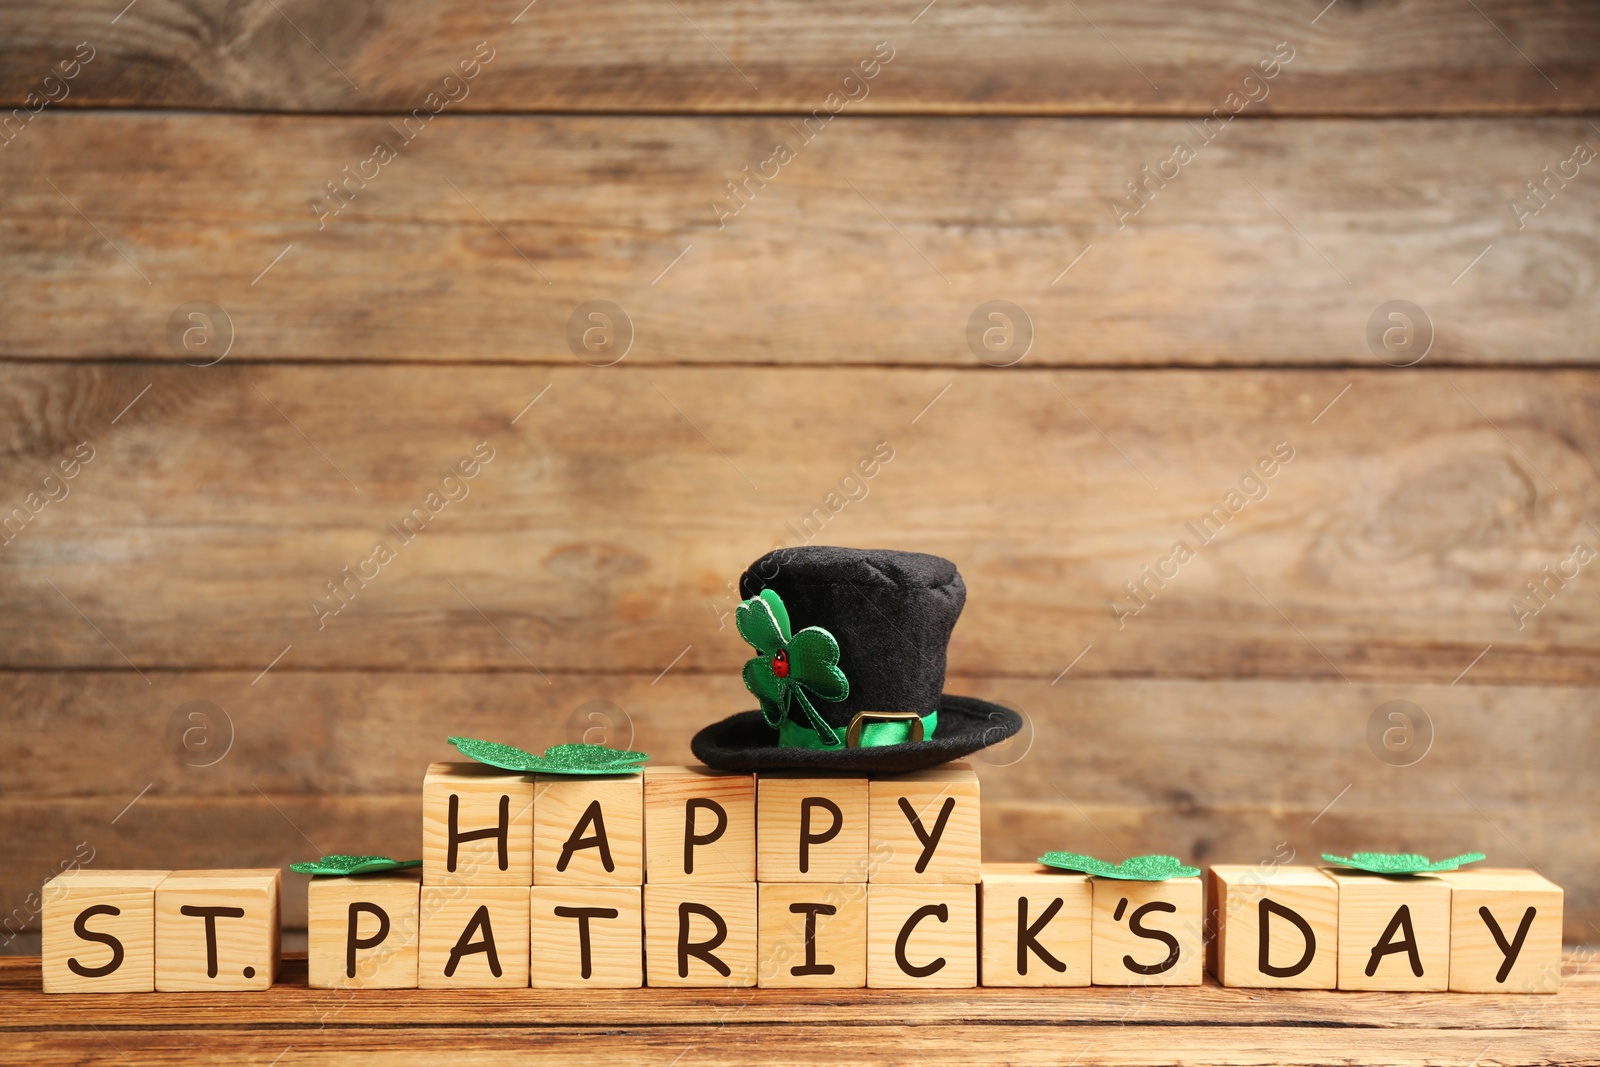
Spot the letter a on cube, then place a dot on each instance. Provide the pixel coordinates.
(99, 931)
(588, 831)
(473, 937)
(1394, 932)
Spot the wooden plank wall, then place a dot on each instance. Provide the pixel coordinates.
(387, 215)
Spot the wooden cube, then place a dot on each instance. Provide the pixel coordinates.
(922, 936)
(473, 937)
(813, 934)
(1148, 933)
(700, 934)
(588, 831)
(477, 826)
(700, 825)
(924, 826)
(1037, 926)
(1274, 928)
(1394, 932)
(587, 937)
(1505, 931)
(811, 827)
(217, 930)
(99, 931)
(362, 931)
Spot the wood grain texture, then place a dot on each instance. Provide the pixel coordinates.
(606, 532)
(292, 1005)
(1508, 772)
(1145, 57)
(875, 243)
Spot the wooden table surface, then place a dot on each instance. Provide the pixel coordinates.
(1206, 1025)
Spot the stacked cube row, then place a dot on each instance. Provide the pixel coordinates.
(679, 876)
(688, 877)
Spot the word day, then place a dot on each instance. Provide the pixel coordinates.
(683, 876)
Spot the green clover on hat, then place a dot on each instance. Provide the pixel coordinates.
(786, 666)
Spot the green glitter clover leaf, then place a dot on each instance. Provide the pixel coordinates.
(788, 666)
(557, 759)
(1136, 869)
(1400, 862)
(340, 864)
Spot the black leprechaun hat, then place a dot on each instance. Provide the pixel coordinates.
(848, 667)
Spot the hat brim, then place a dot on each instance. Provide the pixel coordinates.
(744, 742)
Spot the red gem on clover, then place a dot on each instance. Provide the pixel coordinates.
(780, 663)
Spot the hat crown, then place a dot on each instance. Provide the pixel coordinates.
(891, 612)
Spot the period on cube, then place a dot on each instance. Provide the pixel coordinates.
(99, 931)
(362, 932)
(813, 934)
(925, 826)
(811, 827)
(217, 930)
(1505, 931)
(588, 830)
(1037, 926)
(477, 826)
(1148, 933)
(473, 937)
(586, 937)
(700, 934)
(1394, 931)
(922, 936)
(700, 825)
(1274, 927)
